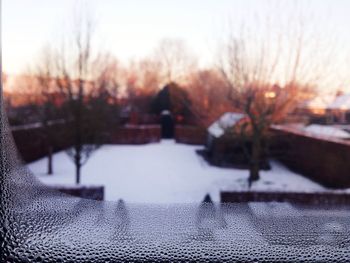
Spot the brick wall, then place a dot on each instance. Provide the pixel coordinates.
(322, 159)
(87, 192)
(32, 143)
(136, 134)
(318, 198)
(190, 134)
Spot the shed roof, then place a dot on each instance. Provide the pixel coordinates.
(227, 120)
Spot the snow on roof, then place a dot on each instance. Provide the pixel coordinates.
(329, 131)
(340, 103)
(320, 102)
(227, 120)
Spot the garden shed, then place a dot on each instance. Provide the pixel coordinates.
(226, 146)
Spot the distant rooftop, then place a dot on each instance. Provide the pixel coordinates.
(340, 103)
(331, 102)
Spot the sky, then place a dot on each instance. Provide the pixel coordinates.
(132, 29)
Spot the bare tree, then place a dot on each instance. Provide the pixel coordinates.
(208, 92)
(265, 66)
(49, 96)
(148, 71)
(106, 77)
(142, 79)
(103, 95)
(84, 77)
(175, 60)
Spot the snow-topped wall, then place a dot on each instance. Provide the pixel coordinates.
(323, 159)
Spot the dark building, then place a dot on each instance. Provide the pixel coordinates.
(173, 105)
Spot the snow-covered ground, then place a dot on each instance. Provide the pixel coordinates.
(164, 172)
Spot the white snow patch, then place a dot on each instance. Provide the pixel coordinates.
(340, 103)
(165, 112)
(164, 172)
(227, 120)
(325, 130)
(320, 102)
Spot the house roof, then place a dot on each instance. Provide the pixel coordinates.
(227, 120)
(320, 102)
(340, 103)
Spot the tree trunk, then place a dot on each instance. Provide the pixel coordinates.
(77, 162)
(78, 133)
(255, 160)
(49, 161)
(77, 166)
